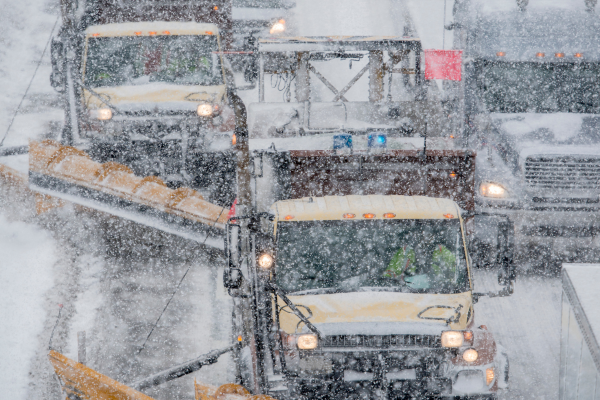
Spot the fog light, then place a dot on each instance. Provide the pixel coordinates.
(489, 376)
(307, 342)
(452, 339)
(493, 190)
(470, 355)
(205, 110)
(265, 261)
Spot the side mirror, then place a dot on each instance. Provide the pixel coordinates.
(232, 275)
(57, 56)
(504, 261)
(232, 278)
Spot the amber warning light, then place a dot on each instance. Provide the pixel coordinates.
(501, 54)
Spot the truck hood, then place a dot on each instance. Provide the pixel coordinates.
(155, 96)
(378, 313)
(545, 134)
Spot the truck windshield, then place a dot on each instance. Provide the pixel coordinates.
(516, 87)
(178, 59)
(423, 256)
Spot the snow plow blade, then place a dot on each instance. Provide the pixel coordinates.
(70, 174)
(83, 383)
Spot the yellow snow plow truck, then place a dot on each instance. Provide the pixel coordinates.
(363, 297)
(144, 85)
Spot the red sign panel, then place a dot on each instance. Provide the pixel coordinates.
(443, 64)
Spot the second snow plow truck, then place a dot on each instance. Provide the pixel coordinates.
(145, 85)
(347, 259)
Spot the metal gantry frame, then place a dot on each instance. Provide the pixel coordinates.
(301, 51)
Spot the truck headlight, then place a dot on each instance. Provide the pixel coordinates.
(103, 114)
(452, 339)
(265, 261)
(307, 342)
(205, 110)
(493, 190)
(278, 27)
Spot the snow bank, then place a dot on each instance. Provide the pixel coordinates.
(27, 255)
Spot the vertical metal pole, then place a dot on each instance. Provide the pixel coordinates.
(375, 76)
(81, 355)
(261, 78)
(302, 78)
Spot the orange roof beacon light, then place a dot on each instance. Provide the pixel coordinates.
(349, 215)
(450, 216)
(369, 216)
(95, 34)
(137, 33)
(501, 54)
(559, 55)
(452, 174)
(540, 55)
(233, 140)
(215, 8)
(578, 55)
(166, 32)
(208, 32)
(288, 217)
(152, 33)
(389, 215)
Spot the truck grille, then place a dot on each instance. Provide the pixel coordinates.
(579, 173)
(381, 341)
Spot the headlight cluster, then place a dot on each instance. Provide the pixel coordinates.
(207, 110)
(307, 341)
(455, 339)
(493, 190)
(102, 114)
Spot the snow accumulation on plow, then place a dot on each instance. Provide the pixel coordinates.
(70, 174)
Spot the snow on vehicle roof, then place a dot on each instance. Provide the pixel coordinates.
(486, 6)
(334, 207)
(331, 43)
(158, 27)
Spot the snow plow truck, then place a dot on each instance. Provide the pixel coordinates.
(348, 256)
(144, 84)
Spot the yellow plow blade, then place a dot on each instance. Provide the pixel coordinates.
(81, 382)
(70, 174)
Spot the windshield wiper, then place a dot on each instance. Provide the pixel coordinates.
(98, 96)
(275, 289)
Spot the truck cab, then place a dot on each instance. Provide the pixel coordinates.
(532, 114)
(384, 287)
(145, 85)
(156, 90)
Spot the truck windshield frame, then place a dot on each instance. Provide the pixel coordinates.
(409, 256)
(192, 60)
(539, 87)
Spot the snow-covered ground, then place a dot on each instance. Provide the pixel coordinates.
(28, 256)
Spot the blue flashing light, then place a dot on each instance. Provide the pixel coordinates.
(377, 140)
(342, 141)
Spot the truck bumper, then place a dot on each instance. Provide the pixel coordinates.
(390, 374)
